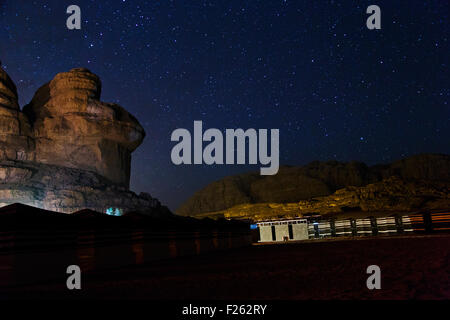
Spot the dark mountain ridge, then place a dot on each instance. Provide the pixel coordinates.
(316, 179)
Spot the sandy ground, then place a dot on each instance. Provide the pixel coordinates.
(411, 268)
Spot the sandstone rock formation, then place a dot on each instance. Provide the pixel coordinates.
(15, 132)
(418, 182)
(392, 194)
(68, 150)
(73, 128)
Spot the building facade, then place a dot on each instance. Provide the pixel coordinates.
(317, 228)
(285, 230)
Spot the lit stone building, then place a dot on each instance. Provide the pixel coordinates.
(285, 230)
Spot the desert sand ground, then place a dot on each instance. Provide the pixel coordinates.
(411, 268)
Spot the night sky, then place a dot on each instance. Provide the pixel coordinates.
(336, 90)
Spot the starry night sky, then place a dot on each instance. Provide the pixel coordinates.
(336, 90)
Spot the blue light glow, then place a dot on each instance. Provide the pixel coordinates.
(114, 212)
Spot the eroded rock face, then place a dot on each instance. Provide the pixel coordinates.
(67, 190)
(73, 128)
(8, 92)
(325, 187)
(16, 142)
(392, 194)
(67, 150)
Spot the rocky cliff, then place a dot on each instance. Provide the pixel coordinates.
(67, 150)
(418, 182)
(73, 128)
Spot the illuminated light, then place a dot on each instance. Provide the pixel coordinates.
(253, 226)
(114, 212)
